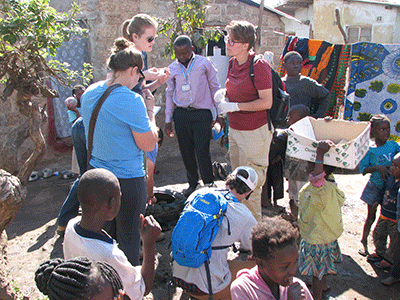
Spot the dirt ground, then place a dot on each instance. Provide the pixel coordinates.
(32, 236)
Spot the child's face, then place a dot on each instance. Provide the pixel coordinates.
(395, 168)
(382, 131)
(282, 267)
(293, 66)
(293, 117)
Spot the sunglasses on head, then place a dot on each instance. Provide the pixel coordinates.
(150, 39)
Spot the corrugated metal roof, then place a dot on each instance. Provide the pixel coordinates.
(256, 3)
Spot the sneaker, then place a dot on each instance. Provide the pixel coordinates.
(373, 257)
(383, 264)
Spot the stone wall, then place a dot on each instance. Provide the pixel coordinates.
(104, 18)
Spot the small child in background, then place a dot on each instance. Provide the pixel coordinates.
(78, 278)
(99, 195)
(275, 250)
(279, 165)
(376, 162)
(74, 106)
(387, 222)
(320, 222)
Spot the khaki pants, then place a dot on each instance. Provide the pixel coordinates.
(251, 148)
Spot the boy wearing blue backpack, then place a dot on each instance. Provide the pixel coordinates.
(211, 222)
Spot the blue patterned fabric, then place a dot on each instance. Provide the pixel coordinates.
(374, 86)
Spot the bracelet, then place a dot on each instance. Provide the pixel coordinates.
(319, 161)
(150, 110)
(148, 98)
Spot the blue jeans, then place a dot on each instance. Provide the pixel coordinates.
(79, 141)
(70, 206)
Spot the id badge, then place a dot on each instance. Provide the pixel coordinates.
(186, 87)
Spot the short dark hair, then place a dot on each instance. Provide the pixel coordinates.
(77, 278)
(292, 54)
(76, 88)
(242, 31)
(272, 234)
(301, 109)
(233, 182)
(183, 40)
(96, 187)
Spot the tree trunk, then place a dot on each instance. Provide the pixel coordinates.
(12, 195)
(31, 109)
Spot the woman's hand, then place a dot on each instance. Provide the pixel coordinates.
(148, 99)
(154, 74)
(164, 77)
(323, 147)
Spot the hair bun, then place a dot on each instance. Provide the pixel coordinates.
(43, 273)
(121, 44)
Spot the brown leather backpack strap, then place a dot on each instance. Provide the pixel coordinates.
(93, 118)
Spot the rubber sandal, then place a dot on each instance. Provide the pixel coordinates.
(383, 264)
(373, 257)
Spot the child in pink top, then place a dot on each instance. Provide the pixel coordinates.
(275, 250)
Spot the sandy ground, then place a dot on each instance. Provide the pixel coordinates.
(32, 237)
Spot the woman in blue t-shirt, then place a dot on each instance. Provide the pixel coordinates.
(125, 128)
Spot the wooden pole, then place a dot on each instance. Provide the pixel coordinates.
(258, 31)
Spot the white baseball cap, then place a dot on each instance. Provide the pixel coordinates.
(251, 181)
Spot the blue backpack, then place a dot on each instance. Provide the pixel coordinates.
(197, 227)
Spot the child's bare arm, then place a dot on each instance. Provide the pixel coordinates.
(149, 230)
(383, 170)
(322, 148)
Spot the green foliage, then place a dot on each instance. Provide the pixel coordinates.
(361, 93)
(29, 31)
(376, 86)
(189, 20)
(393, 88)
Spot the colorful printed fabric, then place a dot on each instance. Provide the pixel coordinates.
(324, 62)
(374, 86)
(319, 260)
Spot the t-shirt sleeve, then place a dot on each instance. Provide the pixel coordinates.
(262, 75)
(364, 163)
(131, 110)
(239, 291)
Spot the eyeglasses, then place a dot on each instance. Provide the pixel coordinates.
(230, 41)
(141, 75)
(152, 38)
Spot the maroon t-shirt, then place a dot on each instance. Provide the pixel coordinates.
(239, 88)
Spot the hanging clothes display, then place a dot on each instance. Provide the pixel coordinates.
(374, 85)
(324, 62)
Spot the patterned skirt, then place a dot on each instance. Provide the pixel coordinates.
(319, 260)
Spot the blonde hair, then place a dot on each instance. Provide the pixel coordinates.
(243, 32)
(124, 55)
(138, 24)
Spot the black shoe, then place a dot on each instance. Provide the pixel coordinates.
(189, 190)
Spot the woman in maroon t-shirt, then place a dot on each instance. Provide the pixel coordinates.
(249, 136)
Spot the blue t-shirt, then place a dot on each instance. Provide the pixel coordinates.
(114, 147)
(72, 115)
(382, 155)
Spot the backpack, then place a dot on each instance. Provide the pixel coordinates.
(196, 229)
(278, 113)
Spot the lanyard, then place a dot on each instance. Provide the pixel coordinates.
(190, 67)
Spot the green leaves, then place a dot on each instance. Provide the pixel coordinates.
(189, 20)
(30, 31)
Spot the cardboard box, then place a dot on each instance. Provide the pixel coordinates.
(351, 139)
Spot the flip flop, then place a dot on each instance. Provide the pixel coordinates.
(383, 264)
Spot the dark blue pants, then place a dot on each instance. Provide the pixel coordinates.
(193, 130)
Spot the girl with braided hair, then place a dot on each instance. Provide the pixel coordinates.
(78, 278)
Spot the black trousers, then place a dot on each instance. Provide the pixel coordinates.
(193, 130)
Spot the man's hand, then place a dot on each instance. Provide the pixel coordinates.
(296, 292)
(226, 107)
(168, 130)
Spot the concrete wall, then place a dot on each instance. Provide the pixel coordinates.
(355, 14)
